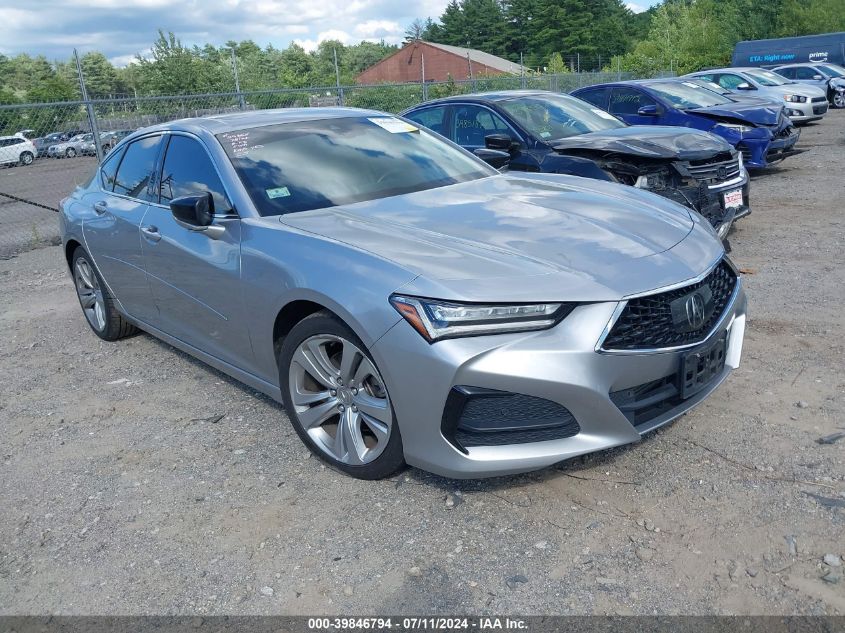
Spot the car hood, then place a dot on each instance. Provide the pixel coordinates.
(524, 237)
(747, 112)
(648, 141)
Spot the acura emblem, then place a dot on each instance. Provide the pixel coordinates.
(694, 307)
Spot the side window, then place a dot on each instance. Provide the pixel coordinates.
(4, 142)
(188, 171)
(806, 73)
(136, 169)
(109, 169)
(432, 118)
(596, 96)
(730, 82)
(789, 73)
(473, 123)
(710, 78)
(628, 101)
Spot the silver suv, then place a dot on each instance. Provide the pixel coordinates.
(803, 103)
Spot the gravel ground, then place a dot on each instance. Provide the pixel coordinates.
(123, 491)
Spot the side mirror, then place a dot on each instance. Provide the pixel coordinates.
(648, 110)
(818, 77)
(193, 212)
(500, 142)
(745, 86)
(493, 157)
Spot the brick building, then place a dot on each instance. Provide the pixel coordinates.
(441, 62)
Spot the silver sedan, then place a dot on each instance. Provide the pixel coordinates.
(404, 301)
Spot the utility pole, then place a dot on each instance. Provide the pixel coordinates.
(521, 72)
(237, 80)
(92, 116)
(469, 65)
(422, 77)
(337, 78)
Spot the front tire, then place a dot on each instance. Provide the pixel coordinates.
(96, 301)
(26, 158)
(336, 398)
(839, 100)
(70, 152)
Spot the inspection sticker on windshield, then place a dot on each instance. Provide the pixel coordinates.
(278, 192)
(603, 114)
(393, 125)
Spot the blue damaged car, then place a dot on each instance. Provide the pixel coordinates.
(764, 134)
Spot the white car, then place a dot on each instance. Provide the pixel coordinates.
(16, 150)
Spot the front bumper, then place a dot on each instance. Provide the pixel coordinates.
(759, 153)
(561, 365)
(805, 112)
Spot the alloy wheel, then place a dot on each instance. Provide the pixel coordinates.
(26, 158)
(839, 100)
(70, 153)
(90, 294)
(340, 399)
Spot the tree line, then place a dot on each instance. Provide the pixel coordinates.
(548, 35)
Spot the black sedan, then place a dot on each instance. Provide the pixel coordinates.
(548, 132)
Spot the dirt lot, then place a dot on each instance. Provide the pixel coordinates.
(120, 493)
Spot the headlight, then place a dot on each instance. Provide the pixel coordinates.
(795, 98)
(736, 127)
(436, 320)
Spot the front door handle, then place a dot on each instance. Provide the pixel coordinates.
(151, 233)
(100, 207)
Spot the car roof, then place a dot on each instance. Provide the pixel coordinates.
(220, 123)
(801, 64)
(486, 97)
(3, 138)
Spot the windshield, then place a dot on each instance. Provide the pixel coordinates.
(293, 167)
(832, 71)
(767, 78)
(687, 95)
(711, 85)
(552, 117)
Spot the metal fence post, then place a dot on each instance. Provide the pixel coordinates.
(337, 78)
(237, 80)
(422, 77)
(92, 115)
(521, 72)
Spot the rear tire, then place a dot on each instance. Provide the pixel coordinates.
(336, 399)
(97, 302)
(70, 152)
(839, 100)
(26, 158)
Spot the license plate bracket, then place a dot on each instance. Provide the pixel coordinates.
(701, 365)
(733, 199)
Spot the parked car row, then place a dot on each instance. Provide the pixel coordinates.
(489, 284)
(56, 145)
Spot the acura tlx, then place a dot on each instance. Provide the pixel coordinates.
(406, 302)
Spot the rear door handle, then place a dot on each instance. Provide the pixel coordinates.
(100, 207)
(151, 233)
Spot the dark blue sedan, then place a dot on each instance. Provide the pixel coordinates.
(763, 134)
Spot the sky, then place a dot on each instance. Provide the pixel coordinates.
(122, 29)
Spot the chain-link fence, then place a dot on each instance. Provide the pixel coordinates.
(48, 149)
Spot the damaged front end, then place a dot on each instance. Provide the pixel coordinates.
(716, 187)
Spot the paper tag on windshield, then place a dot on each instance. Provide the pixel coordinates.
(278, 192)
(603, 114)
(392, 125)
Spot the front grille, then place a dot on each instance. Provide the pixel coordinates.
(485, 417)
(745, 151)
(643, 403)
(820, 109)
(714, 171)
(647, 323)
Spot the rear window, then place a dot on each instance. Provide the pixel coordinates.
(299, 166)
